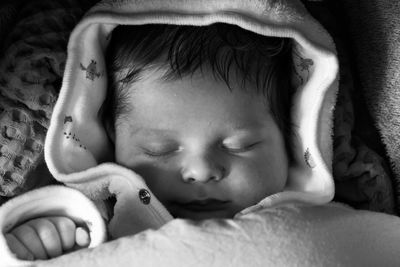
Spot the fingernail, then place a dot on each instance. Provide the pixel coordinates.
(82, 237)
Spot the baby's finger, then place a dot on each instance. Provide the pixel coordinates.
(18, 248)
(28, 236)
(48, 235)
(66, 229)
(82, 237)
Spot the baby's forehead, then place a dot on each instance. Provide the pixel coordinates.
(194, 88)
(162, 74)
(195, 97)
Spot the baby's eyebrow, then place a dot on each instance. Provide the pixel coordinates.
(248, 126)
(153, 132)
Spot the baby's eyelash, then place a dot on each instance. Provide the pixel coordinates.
(241, 149)
(158, 154)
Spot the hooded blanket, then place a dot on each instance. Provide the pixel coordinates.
(77, 148)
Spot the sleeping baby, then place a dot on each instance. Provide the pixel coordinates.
(201, 113)
(219, 119)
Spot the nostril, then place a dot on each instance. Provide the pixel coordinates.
(214, 178)
(190, 180)
(204, 174)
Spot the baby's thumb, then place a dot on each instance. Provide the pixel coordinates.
(82, 237)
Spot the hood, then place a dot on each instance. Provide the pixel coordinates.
(77, 143)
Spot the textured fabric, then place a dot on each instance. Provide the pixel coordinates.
(374, 33)
(329, 235)
(290, 235)
(362, 175)
(31, 68)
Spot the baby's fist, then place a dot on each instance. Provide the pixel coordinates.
(44, 238)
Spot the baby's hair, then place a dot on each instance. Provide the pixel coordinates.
(183, 50)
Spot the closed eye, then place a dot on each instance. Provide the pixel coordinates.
(159, 152)
(240, 148)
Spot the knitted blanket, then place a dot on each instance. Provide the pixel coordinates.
(32, 59)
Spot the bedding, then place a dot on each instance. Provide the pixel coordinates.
(331, 235)
(31, 66)
(328, 235)
(374, 28)
(361, 177)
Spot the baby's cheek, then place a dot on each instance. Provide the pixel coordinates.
(158, 177)
(274, 161)
(260, 178)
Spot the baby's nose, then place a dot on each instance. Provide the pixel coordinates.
(202, 169)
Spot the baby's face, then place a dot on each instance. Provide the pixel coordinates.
(203, 150)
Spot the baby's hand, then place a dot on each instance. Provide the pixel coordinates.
(45, 238)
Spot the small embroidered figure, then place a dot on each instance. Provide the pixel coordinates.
(67, 119)
(305, 64)
(300, 66)
(308, 158)
(76, 140)
(91, 70)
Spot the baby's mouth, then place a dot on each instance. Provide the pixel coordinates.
(205, 205)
